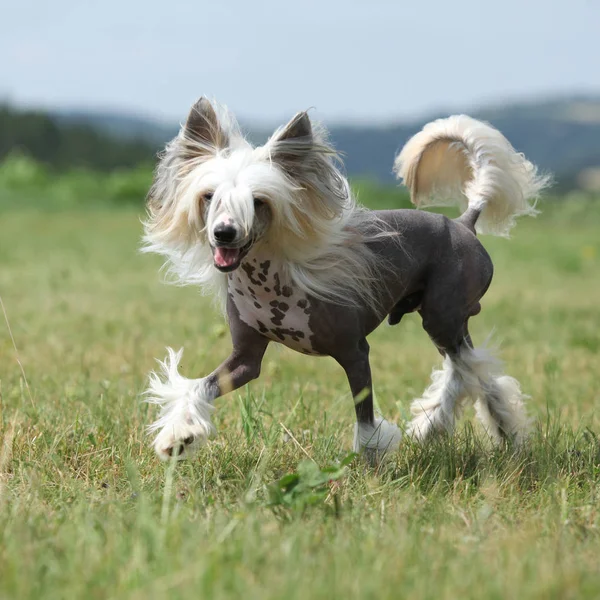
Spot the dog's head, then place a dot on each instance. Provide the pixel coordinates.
(216, 197)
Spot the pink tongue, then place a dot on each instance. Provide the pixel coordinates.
(225, 257)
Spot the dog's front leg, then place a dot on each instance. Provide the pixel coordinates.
(186, 404)
(372, 435)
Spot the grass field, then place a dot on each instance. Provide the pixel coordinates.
(86, 509)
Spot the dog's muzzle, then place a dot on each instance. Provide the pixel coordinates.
(224, 234)
(227, 254)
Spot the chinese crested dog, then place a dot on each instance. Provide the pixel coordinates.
(275, 233)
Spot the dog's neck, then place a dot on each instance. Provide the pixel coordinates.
(264, 271)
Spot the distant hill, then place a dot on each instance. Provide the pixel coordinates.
(560, 135)
(120, 125)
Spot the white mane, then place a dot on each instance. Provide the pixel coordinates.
(318, 232)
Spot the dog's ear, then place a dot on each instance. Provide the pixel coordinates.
(299, 128)
(202, 136)
(302, 151)
(203, 127)
(292, 145)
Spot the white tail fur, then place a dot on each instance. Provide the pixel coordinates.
(460, 160)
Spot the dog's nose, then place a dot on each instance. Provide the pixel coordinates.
(224, 234)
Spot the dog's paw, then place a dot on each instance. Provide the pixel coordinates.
(181, 440)
(379, 438)
(184, 423)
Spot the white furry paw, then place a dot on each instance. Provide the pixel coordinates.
(436, 410)
(184, 423)
(382, 436)
(420, 428)
(429, 419)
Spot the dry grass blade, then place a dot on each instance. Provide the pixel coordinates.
(12, 338)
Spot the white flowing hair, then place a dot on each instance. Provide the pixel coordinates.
(459, 160)
(317, 230)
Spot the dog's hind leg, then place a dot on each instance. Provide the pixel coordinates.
(436, 410)
(372, 435)
(498, 397)
(467, 372)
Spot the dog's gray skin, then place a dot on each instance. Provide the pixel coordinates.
(439, 269)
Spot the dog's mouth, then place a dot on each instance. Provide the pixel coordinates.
(228, 259)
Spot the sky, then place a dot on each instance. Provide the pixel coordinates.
(373, 61)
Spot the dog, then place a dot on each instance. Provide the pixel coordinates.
(276, 234)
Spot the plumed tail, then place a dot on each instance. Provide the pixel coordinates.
(460, 160)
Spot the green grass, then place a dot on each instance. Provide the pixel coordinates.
(86, 510)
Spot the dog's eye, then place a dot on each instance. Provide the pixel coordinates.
(207, 197)
(258, 202)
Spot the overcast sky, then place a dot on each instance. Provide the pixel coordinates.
(352, 61)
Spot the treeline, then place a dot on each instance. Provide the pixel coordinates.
(63, 146)
(552, 138)
(27, 183)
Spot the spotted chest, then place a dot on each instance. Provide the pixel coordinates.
(278, 311)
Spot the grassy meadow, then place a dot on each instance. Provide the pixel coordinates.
(88, 511)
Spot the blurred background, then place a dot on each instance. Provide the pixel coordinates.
(90, 91)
